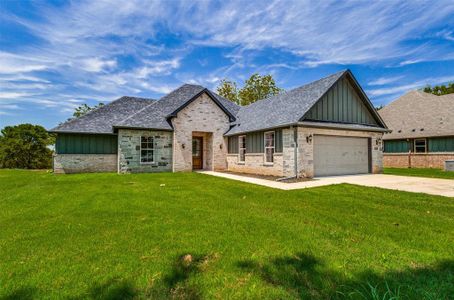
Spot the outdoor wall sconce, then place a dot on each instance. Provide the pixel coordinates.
(309, 139)
(220, 146)
(183, 146)
(378, 141)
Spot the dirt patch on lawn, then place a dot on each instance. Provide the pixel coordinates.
(268, 177)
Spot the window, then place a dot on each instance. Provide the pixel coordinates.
(420, 146)
(269, 146)
(241, 147)
(146, 150)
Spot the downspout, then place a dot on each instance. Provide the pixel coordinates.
(295, 151)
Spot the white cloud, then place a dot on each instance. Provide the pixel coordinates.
(385, 80)
(97, 64)
(14, 95)
(411, 86)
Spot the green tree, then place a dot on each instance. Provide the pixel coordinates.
(25, 146)
(83, 109)
(440, 89)
(228, 90)
(255, 88)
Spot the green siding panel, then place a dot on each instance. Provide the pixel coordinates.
(397, 146)
(341, 104)
(86, 144)
(441, 144)
(233, 144)
(255, 142)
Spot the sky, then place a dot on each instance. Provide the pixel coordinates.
(57, 55)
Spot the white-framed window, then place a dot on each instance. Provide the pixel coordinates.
(269, 147)
(146, 150)
(241, 148)
(420, 146)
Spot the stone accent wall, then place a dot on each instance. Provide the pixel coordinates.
(201, 117)
(84, 163)
(254, 163)
(306, 150)
(129, 151)
(417, 160)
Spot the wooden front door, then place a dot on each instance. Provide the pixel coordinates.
(197, 153)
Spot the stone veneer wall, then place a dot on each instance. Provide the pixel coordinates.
(129, 151)
(202, 117)
(254, 163)
(306, 150)
(417, 160)
(84, 163)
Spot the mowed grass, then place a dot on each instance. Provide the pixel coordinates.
(109, 236)
(420, 172)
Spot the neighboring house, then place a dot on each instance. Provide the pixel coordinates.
(422, 127)
(327, 127)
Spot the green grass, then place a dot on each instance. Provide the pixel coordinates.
(420, 172)
(108, 236)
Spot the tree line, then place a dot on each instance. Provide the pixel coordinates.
(440, 89)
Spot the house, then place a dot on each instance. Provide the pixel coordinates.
(327, 127)
(422, 127)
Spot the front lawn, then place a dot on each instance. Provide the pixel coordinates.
(191, 236)
(420, 172)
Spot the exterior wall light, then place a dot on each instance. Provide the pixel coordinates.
(309, 139)
(183, 146)
(220, 146)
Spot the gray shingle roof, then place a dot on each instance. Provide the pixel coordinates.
(155, 115)
(283, 109)
(418, 110)
(102, 119)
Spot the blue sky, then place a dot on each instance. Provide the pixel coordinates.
(56, 55)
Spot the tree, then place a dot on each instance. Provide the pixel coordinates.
(256, 88)
(228, 90)
(440, 89)
(25, 146)
(83, 109)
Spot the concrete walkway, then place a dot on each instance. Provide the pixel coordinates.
(433, 186)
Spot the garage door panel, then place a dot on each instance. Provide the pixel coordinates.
(336, 155)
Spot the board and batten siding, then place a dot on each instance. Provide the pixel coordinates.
(436, 144)
(86, 144)
(255, 142)
(441, 144)
(341, 104)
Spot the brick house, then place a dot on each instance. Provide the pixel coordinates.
(422, 127)
(327, 127)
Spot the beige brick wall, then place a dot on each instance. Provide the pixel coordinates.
(202, 116)
(254, 163)
(306, 150)
(84, 163)
(424, 160)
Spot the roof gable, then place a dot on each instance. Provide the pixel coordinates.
(344, 102)
(157, 115)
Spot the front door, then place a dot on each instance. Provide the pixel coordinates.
(197, 153)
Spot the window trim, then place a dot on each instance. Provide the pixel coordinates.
(147, 149)
(239, 148)
(425, 145)
(265, 147)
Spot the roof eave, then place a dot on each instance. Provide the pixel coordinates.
(344, 126)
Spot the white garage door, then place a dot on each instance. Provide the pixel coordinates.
(338, 155)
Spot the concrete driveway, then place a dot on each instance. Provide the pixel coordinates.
(433, 186)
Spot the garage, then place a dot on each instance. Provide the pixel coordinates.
(340, 155)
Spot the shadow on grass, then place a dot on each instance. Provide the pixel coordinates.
(177, 284)
(113, 290)
(24, 293)
(303, 276)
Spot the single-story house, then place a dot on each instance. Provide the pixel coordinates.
(327, 127)
(422, 127)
